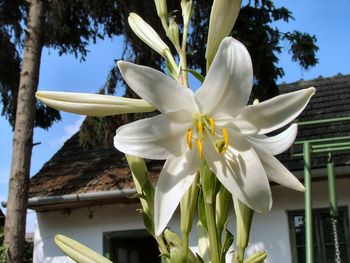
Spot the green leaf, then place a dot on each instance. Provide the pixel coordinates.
(228, 240)
(196, 74)
(201, 211)
(78, 251)
(148, 222)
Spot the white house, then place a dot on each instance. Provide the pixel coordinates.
(82, 193)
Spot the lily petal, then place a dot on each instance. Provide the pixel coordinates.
(158, 89)
(227, 86)
(159, 138)
(241, 172)
(174, 180)
(274, 113)
(275, 144)
(92, 104)
(276, 171)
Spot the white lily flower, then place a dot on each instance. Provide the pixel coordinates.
(92, 104)
(213, 124)
(223, 16)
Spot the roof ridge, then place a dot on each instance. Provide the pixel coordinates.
(319, 78)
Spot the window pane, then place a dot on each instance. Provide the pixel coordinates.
(323, 236)
(344, 254)
(122, 255)
(330, 254)
(299, 229)
(302, 254)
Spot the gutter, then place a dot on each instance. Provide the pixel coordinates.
(93, 196)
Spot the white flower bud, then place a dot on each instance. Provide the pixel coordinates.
(161, 7)
(187, 9)
(223, 16)
(147, 34)
(92, 104)
(173, 33)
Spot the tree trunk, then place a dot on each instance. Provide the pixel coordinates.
(14, 230)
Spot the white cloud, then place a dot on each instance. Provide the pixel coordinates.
(69, 130)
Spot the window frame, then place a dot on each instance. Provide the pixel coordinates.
(319, 240)
(110, 236)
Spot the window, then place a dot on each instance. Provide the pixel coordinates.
(134, 246)
(323, 237)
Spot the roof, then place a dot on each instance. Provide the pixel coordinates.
(75, 170)
(331, 100)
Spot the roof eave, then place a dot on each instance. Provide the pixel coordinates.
(60, 202)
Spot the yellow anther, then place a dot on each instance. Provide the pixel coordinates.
(225, 134)
(189, 138)
(200, 148)
(200, 128)
(212, 125)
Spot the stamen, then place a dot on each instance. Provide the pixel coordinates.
(189, 138)
(200, 148)
(225, 134)
(212, 125)
(200, 128)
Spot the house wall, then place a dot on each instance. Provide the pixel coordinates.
(269, 231)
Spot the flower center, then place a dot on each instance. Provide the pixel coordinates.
(205, 125)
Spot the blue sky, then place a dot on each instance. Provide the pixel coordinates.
(328, 20)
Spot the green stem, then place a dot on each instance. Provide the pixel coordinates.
(183, 62)
(241, 254)
(213, 240)
(184, 38)
(164, 23)
(183, 58)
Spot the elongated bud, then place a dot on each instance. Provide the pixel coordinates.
(223, 16)
(147, 34)
(257, 257)
(142, 183)
(77, 251)
(161, 7)
(223, 203)
(244, 217)
(187, 10)
(177, 251)
(209, 184)
(92, 104)
(173, 33)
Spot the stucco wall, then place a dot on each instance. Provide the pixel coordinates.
(269, 231)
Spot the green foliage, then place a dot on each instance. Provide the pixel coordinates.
(3, 253)
(69, 27)
(28, 250)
